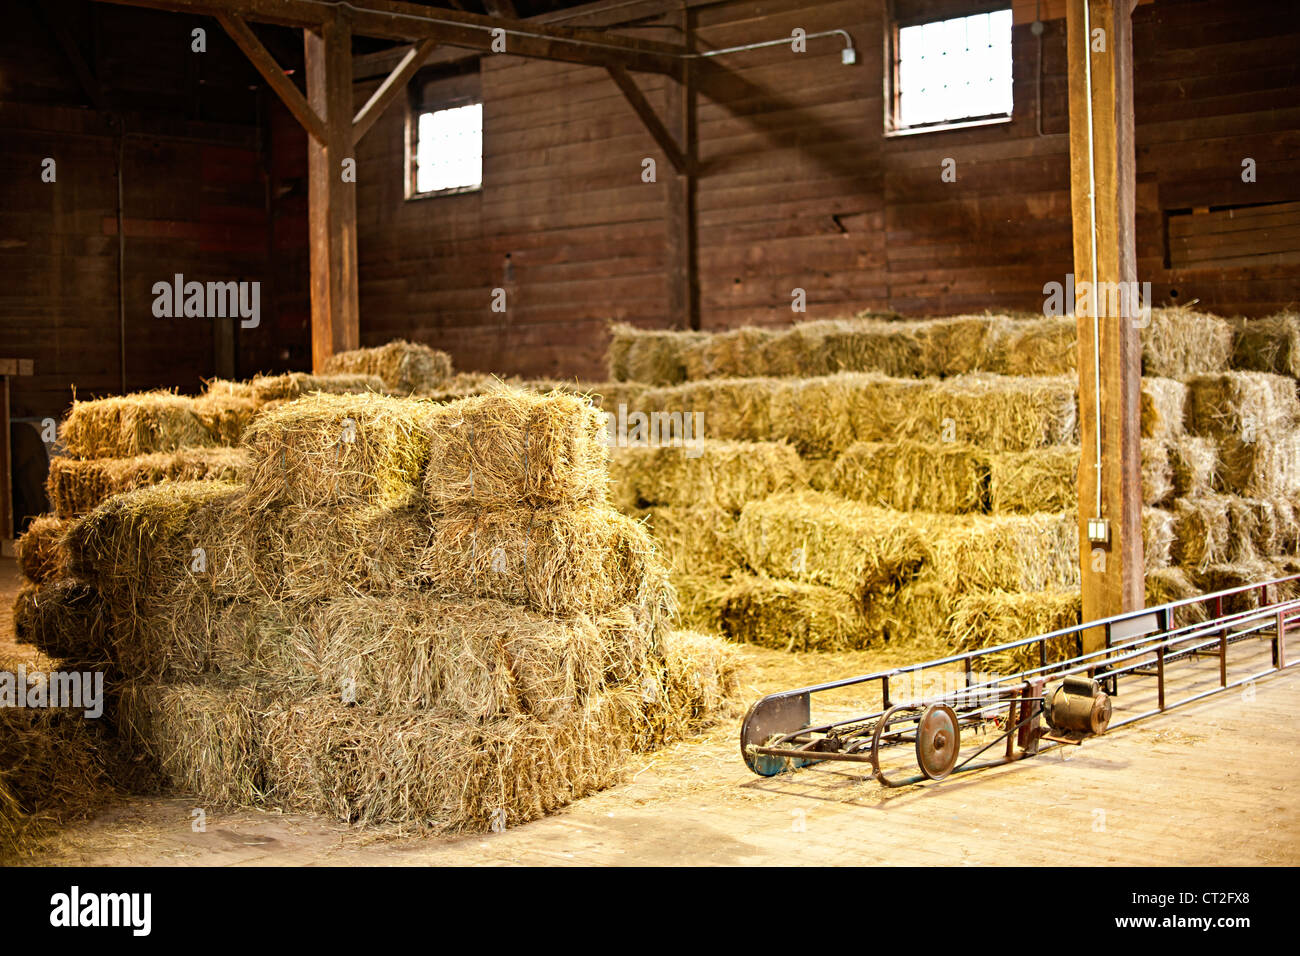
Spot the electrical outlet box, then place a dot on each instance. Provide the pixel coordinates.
(1099, 531)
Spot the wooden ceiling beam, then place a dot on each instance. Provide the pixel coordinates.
(408, 22)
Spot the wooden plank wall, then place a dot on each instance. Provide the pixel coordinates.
(800, 188)
(564, 224)
(194, 190)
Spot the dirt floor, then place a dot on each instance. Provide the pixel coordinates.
(1215, 782)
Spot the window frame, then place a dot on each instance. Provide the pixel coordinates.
(894, 24)
(417, 104)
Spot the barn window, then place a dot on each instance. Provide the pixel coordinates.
(949, 73)
(445, 132)
(449, 150)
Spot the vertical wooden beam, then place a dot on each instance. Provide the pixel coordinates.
(332, 213)
(1102, 202)
(6, 468)
(682, 239)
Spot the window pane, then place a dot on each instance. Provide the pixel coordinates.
(449, 149)
(950, 70)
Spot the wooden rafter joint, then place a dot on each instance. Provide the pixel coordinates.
(632, 93)
(393, 85)
(275, 77)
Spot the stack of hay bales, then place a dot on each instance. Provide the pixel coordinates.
(409, 613)
(961, 432)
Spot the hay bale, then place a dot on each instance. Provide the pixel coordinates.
(1159, 529)
(203, 737)
(1166, 585)
(1162, 408)
(1043, 480)
(226, 414)
(653, 356)
(609, 397)
(1180, 342)
(1201, 531)
(405, 367)
(478, 659)
(1193, 461)
(339, 450)
(1287, 518)
(820, 539)
(792, 615)
(63, 618)
(978, 553)
(913, 476)
(737, 353)
(996, 412)
(1268, 345)
(41, 556)
(823, 417)
(1252, 417)
(1047, 479)
(916, 615)
(732, 409)
(1225, 577)
(986, 620)
(513, 448)
(128, 425)
(703, 680)
(433, 769)
(588, 560)
(294, 385)
(1046, 346)
(137, 546)
(77, 487)
(699, 540)
(722, 474)
(1252, 529)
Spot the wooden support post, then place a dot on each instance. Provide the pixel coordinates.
(332, 201)
(1100, 72)
(683, 246)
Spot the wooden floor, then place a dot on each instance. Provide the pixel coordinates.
(1215, 782)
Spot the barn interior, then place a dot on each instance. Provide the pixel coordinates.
(464, 431)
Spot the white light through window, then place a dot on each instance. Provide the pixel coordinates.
(449, 149)
(954, 70)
